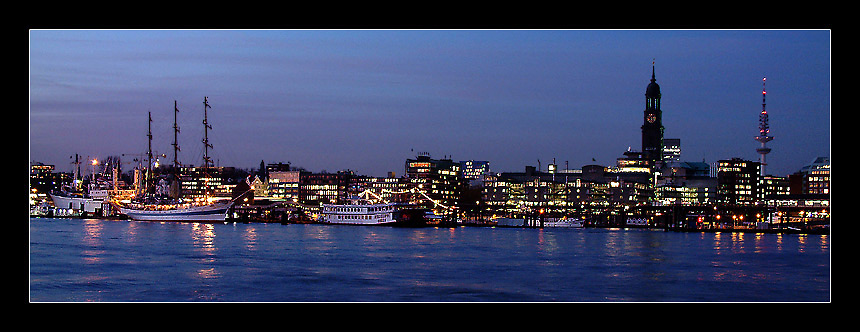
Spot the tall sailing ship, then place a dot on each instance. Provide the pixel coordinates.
(202, 210)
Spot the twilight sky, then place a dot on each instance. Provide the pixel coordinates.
(367, 100)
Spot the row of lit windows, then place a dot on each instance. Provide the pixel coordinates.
(362, 210)
(320, 186)
(348, 217)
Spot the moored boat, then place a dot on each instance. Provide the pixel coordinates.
(215, 212)
(204, 210)
(564, 222)
(536, 223)
(76, 201)
(358, 212)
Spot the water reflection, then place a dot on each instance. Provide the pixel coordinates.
(203, 240)
(203, 237)
(135, 261)
(250, 238)
(130, 232)
(757, 243)
(93, 251)
(801, 241)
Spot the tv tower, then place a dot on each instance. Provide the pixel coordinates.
(763, 129)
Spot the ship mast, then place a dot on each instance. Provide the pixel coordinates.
(77, 169)
(206, 160)
(175, 139)
(149, 154)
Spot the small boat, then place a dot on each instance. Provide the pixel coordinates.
(536, 223)
(574, 223)
(637, 222)
(509, 222)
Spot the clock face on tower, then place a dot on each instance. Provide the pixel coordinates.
(651, 118)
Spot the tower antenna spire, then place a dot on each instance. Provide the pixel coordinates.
(653, 61)
(763, 129)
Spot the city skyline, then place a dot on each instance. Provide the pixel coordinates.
(367, 100)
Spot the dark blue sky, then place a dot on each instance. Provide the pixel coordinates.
(364, 100)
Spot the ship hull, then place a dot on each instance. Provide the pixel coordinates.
(217, 213)
(362, 214)
(76, 203)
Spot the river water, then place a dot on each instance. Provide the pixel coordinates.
(94, 260)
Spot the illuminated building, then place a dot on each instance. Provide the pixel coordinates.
(816, 176)
(808, 201)
(43, 180)
(773, 185)
(556, 194)
(199, 182)
(738, 181)
(473, 171)
(633, 162)
(284, 184)
(532, 190)
(632, 180)
(386, 189)
(261, 189)
(324, 188)
(671, 149)
(686, 183)
(439, 179)
(279, 167)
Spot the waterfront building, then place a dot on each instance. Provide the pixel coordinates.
(770, 185)
(738, 181)
(553, 194)
(43, 180)
(316, 189)
(385, 189)
(279, 167)
(807, 204)
(473, 171)
(524, 192)
(439, 179)
(671, 149)
(284, 184)
(799, 210)
(816, 176)
(261, 188)
(686, 183)
(200, 182)
(631, 181)
(630, 191)
(633, 162)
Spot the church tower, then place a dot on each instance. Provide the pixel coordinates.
(652, 128)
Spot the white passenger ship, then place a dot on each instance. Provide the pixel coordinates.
(359, 212)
